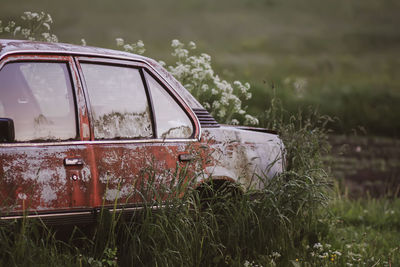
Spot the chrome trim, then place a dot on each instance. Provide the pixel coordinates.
(73, 161)
(43, 216)
(105, 56)
(92, 212)
(100, 142)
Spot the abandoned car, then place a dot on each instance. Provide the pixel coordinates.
(83, 128)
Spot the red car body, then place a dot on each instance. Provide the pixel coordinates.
(77, 135)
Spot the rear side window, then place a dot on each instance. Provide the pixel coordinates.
(118, 102)
(171, 120)
(38, 97)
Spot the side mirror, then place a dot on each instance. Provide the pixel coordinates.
(7, 134)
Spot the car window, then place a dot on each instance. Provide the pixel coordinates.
(171, 120)
(38, 97)
(118, 102)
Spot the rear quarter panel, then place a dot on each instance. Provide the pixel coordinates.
(246, 157)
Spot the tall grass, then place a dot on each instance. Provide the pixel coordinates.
(267, 226)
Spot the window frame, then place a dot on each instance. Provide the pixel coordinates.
(143, 67)
(49, 58)
(174, 97)
(89, 106)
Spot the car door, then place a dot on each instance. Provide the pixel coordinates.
(141, 132)
(47, 168)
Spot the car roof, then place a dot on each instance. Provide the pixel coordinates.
(24, 46)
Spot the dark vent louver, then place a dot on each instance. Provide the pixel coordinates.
(205, 118)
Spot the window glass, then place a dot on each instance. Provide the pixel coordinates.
(172, 121)
(38, 97)
(118, 102)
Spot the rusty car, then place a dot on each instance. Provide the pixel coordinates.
(85, 128)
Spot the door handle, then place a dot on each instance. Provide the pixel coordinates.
(73, 162)
(186, 157)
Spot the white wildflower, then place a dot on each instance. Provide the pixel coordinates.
(49, 19)
(34, 15)
(128, 48)
(337, 253)
(204, 87)
(22, 196)
(176, 43)
(224, 99)
(83, 42)
(140, 43)
(120, 41)
(216, 105)
(206, 57)
(234, 122)
(323, 255)
(47, 26)
(317, 246)
(276, 254)
(250, 120)
(214, 91)
(221, 113)
(192, 45)
(26, 32)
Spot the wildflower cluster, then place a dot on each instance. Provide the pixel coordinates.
(353, 254)
(34, 27)
(221, 98)
(324, 252)
(137, 48)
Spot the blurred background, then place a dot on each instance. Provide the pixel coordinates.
(342, 57)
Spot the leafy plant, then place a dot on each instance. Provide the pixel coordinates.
(224, 100)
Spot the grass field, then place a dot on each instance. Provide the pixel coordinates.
(343, 233)
(342, 57)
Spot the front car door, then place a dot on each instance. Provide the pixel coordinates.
(47, 170)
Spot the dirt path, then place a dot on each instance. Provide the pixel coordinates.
(366, 165)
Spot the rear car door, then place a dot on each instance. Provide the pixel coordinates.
(47, 169)
(142, 133)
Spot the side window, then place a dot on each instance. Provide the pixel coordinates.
(171, 120)
(38, 97)
(118, 102)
